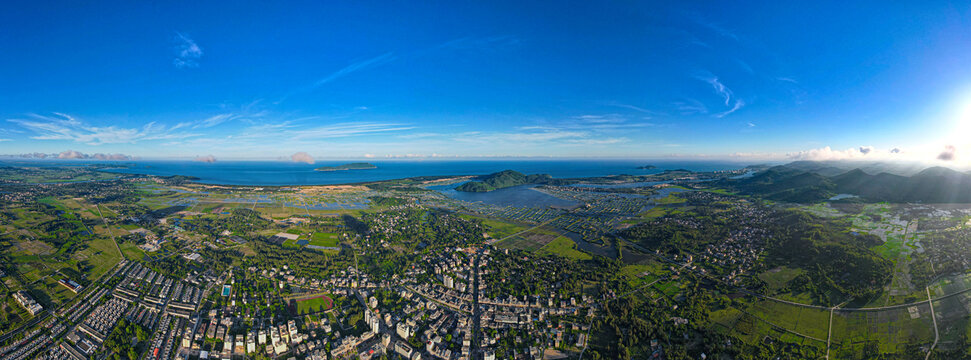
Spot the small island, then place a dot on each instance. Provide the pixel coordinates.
(351, 166)
(503, 179)
(646, 167)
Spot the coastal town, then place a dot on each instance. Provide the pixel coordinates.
(144, 267)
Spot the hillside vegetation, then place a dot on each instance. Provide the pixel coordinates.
(503, 179)
(790, 183)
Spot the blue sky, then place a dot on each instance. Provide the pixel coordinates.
(264, 80)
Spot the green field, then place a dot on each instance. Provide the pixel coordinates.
(563, 246)
(316, 304)
(807, 321)
(670, 199)
(529, 241)
(324, 239)
(101, 254)
(642, 273)
(501, 229)
(497, 229)
(777, 278)
(654, 212)
(890, 329)
(131, 251)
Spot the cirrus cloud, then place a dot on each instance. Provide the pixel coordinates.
(66, 127)
(187, 52)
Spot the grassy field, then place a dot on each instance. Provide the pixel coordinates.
(655, 212)
(529, 241)
(822, 210)
(563, 246)
(290, 244)
(12, 315)
(642, 273)
(753, 328)
(324, 239)
(777, 278)
(806, 321)
(670, 199)
(316, 304)
(131, 251)
(890, 329)
(101, 254)
(500, 229)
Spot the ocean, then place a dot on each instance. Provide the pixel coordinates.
(282, 173)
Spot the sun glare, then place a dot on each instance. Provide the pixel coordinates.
(961, 129)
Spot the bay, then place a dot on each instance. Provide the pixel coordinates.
(282, 173)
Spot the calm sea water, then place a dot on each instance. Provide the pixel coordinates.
(280, 173)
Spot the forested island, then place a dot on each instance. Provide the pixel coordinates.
(351, 166)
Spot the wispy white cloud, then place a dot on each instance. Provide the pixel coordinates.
(219, 119)
(604, 141)
(745, 66)
(720, 89)
(715, 27)
(345, 71)
(267, 129)
(214, 120)
(631, 107)
(346, 129)
(65, 127)
(187, 52)
(422, 135)
(723, 91)
(356, 66)
(690, 107)
(738, 105)
(578, 130)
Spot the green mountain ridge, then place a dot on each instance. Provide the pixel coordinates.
(503, 179)
(792, 183)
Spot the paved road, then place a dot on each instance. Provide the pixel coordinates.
(936, 335)
(476, 312)
(108, 228)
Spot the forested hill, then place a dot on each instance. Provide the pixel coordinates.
(503, 179)
(794, 183)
